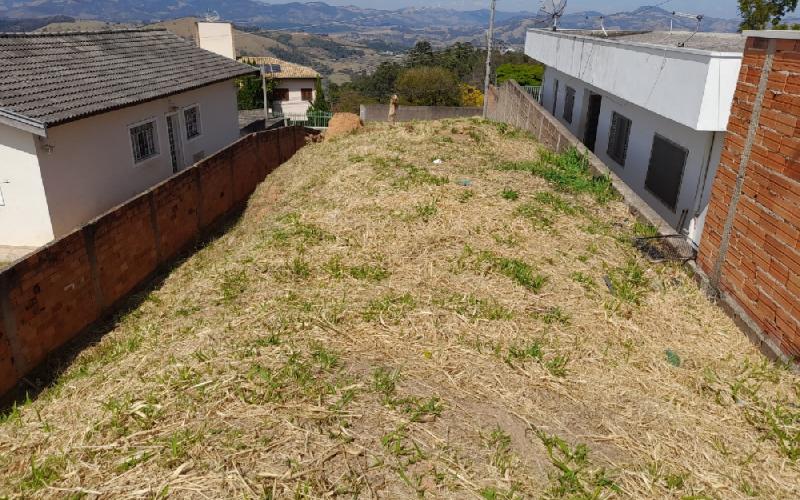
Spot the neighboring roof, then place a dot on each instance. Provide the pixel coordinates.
(53, 78)
(701, 41)
(288, 70)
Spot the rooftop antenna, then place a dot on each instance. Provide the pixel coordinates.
(212, 16)
(697, 17)
(603, 26)
(554, 10)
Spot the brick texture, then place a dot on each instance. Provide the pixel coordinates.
(761, 268)
(56, 293)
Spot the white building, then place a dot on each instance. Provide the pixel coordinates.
(88, 120)
(294, 85)
(652, 106)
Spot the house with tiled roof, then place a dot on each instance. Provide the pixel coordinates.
(294, 84)
(90, 119)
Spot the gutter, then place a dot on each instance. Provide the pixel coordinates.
(22, 122)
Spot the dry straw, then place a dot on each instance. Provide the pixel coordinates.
(377, 325)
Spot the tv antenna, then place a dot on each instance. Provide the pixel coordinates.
(212, 16)
(696, 17)
(554, 10)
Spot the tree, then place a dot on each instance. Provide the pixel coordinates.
(429, 86)
(471, 96)
(380, 84)
(760, 14)
(420, 55)
(250, 94)
(320, 104)
(524, 74)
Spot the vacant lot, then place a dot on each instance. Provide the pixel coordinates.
(382, 324)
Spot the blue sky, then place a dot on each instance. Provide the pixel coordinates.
(715, 8)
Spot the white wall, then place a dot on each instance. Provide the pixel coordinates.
(295, 104)
(692, 87)
(24, 218)
(645, 124)
(91, 168)
(217, 38)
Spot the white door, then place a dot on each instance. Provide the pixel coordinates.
(175, 143)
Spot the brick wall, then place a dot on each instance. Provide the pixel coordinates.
(56, 293)
(756, 194)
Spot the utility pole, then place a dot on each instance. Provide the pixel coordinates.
(264, 91)
(488, 60)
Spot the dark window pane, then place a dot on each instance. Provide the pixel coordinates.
(665, 173)
(618, 138)
(569, 104)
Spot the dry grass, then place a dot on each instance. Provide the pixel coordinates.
(377, 325)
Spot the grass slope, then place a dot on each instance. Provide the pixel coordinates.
(378, 324)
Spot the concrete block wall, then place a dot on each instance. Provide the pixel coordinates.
(61, 290)
(380, 112)
(751, 242)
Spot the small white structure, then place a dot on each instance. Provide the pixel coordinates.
(295, 85)
(88, 120)
(653, 106)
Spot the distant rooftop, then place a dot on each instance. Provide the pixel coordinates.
(283, 69)
(712, 42)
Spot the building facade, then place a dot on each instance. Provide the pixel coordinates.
(653, 111)
(295, 85)
(72, 150)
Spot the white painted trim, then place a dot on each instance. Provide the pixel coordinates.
(157, 143)
(621, 42)
(778, 34)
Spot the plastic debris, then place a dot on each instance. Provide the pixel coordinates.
(438, 161)
(673, 358)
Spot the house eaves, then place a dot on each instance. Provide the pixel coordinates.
(21, 122)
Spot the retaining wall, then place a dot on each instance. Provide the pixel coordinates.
(54, 294)
(380, 112)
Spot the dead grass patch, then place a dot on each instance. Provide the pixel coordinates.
(378, 324)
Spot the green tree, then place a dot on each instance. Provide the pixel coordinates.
(524, 74)
(320, 103)
(761, 14)
(380, 84)
(429, 86)
(420, 55)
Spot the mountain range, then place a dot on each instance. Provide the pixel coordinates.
(319, 17)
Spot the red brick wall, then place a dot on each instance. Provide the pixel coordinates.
(761, 270)
(53, 295)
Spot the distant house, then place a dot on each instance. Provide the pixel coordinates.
(88, 120)
(653, 106)
(295, 85)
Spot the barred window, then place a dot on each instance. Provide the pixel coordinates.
(307, 94)
(665, 172)
(191, 117)
(618, 138)
(281, 94)
(144, 141)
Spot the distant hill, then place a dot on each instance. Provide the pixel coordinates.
(30, 24)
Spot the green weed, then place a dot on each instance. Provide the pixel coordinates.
(510, 194)
(568, 172)
(574, 477)
(553, 315)
(518, 271)
(426, 211)
(644, 229)
(586, 281)
(389, 307)
(476, 308)
(629, 282)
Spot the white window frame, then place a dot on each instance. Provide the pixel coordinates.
(156, 141)
(186, 125)
(2, 196)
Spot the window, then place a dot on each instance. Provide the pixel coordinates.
(569, 103)
(555, 97)
(144, 141)
(307, 94)
(618, 138)
(191, 117)
(665, 173)
(281, 94)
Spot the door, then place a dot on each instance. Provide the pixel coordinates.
(175, 144)
(592, 120)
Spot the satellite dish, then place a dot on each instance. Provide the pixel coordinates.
(553, 9)
(212, 16)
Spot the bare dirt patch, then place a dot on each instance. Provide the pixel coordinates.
(383, 324)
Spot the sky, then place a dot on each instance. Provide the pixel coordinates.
(714, 8)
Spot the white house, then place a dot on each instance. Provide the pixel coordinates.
(88, 120)
(294, 84)
(653, 106)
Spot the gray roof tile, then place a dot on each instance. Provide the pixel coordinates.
(54, 78)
